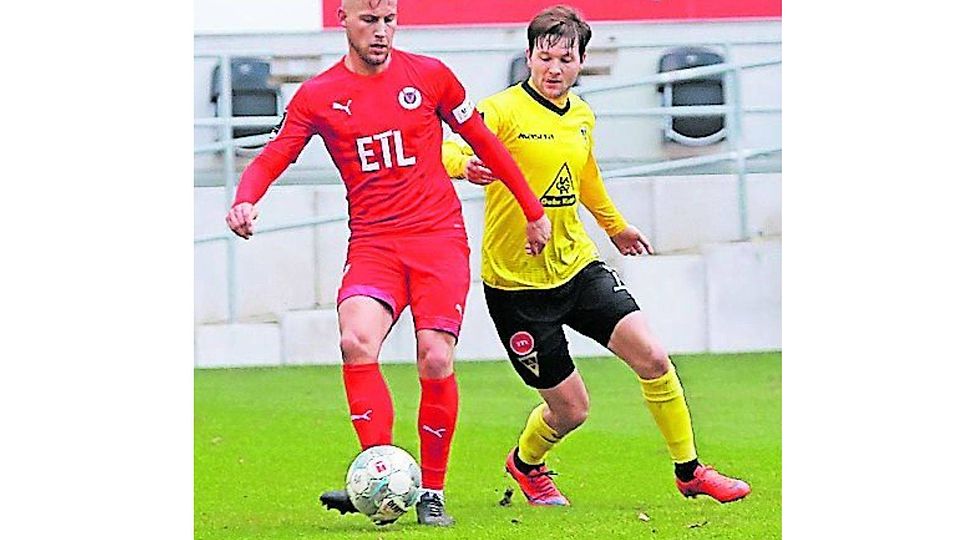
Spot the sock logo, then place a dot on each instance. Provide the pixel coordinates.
(364, 416)
(438, 432)
(521, 343)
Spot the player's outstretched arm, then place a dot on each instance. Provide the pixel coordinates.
(460, 161)
(495, 156)
(289, 138)
(593, 194)
(254, 181)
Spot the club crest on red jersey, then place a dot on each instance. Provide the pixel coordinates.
(409, 98)
(521, 343)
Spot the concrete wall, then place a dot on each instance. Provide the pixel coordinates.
(301, 268)
(724, 300)
(704, 293)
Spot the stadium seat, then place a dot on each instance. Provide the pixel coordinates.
(519, 71)
(692, 130)
(253, 95)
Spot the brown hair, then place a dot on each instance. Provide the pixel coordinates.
(557, 23)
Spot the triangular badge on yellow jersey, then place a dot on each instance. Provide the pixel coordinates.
(560, 192)
(530, 362)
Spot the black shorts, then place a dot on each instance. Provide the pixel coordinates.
(530, 322)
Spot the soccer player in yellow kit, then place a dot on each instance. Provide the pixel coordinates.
(549, 132)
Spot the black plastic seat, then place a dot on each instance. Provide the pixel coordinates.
(253, 95)
(692, 130)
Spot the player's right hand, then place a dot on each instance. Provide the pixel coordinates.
(538, 234)
(630, 241)
(240, 219)
(478, 173)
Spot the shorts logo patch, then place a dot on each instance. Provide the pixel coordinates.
(409, 98)
(521, 343)
(530, 362)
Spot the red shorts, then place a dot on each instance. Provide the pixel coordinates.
(430, 273)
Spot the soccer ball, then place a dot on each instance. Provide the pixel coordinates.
(383, 482)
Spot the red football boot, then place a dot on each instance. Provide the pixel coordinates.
(707, 481)
(537, 486)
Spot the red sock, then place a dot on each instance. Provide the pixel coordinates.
(438, 417)
(371, 407)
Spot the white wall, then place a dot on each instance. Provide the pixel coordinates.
(723, 300)
(245, 16)
(710, 294)
(301, 268)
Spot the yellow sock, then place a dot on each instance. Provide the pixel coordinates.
(664, 397)
(537, 438)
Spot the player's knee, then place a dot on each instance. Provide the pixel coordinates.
(435, 361)
(357, 347)
(570, 420)
(577, 417)
(652, 361)
(660, 360)
(573, 416)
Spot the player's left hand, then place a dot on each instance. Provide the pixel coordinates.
(631, 241)
(478, 173)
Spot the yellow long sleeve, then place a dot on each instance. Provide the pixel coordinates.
(594, 196)
(455, 155)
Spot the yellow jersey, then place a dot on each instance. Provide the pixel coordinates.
(554, 148)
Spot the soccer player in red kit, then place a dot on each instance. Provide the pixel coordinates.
(378, 112)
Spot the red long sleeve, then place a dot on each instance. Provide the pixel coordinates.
(257, 177)
(495, 156)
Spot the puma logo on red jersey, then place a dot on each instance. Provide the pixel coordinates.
(341, 107)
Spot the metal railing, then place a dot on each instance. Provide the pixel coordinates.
(733, 111)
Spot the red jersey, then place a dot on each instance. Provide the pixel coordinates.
(384, 134)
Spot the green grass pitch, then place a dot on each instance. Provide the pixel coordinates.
(268, 441)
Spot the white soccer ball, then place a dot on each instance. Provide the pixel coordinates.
(383, 482)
